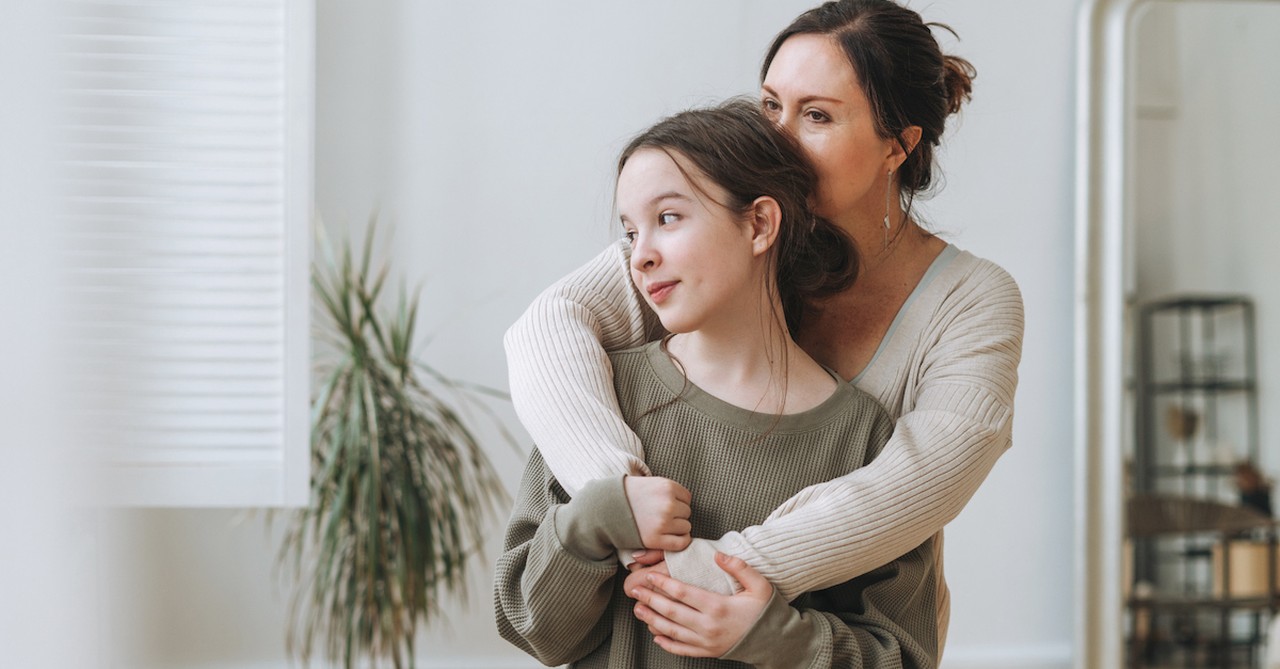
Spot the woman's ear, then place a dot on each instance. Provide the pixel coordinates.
(766, 219)
(903, 148)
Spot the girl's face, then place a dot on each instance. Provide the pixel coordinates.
(691, 258)
(812, 91)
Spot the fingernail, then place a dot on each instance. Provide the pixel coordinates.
(637, 554)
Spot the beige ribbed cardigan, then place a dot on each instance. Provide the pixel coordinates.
(946, 373)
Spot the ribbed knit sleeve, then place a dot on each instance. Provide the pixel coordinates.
(949, 436)
(554, 580)
(858, 635)
(561, 381)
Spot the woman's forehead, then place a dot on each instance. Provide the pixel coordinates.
(809, 64)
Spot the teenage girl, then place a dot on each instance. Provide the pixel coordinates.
(724, 249)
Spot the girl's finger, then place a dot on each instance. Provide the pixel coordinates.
(647, 557)
(679, 526)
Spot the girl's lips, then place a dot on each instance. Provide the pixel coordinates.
(658, 292)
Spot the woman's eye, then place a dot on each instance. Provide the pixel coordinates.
(667, 217)
(770, 106)
(816, 116)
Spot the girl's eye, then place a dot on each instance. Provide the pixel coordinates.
(667, 217)
(630, 236)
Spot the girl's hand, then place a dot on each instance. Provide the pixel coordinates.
(639, 576)
(661, 509)
(686, 620)
(646, 558)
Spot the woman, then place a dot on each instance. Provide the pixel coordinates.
(714, 204)
(932, 332)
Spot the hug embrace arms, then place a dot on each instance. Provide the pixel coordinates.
(559, 589)
(948, 375)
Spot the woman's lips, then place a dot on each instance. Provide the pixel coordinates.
(658, 292)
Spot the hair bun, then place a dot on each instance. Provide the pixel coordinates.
(957, 79)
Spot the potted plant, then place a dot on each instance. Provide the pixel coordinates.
(400, 485)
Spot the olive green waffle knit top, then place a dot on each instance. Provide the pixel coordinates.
(558, 587)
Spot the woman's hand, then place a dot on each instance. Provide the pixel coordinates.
(686, 620)
(661, 509)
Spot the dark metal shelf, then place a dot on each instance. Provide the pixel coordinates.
(1192, 603)
(1203, 385)
(1195, 470)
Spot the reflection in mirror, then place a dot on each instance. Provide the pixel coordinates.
(1179, 223)
(1199, 545)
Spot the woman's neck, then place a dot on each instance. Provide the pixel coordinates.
(846, 330)
(757, 367)
(888, 257)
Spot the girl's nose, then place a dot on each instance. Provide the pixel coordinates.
(643, 255)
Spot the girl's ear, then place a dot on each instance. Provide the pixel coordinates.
(766, 219)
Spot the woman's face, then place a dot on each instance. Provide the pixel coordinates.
(812, 91)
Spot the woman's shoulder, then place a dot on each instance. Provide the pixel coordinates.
(971, 287)
(971, 270)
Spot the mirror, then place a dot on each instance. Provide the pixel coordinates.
(1176, 222)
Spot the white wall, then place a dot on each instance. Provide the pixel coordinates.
(486, 132)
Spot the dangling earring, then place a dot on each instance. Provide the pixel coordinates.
(888, 194)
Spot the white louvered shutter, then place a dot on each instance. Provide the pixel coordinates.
(187, 162)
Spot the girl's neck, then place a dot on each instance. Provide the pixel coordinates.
(755, 367)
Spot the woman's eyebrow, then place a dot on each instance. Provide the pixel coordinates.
(807, 98)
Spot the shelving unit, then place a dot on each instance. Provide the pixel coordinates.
(1196, 354)
(1195, 390)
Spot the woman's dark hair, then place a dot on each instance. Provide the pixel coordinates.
(740, 150)
(901, 70)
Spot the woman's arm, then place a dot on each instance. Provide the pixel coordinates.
(561, 380)
(940, 452)
(554, 580)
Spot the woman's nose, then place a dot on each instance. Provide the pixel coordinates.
(785, 120)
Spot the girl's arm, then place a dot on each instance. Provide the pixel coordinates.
(554, 580)
(561, 380)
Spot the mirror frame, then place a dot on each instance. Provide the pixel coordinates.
(1104, 179)
(1102, 150)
